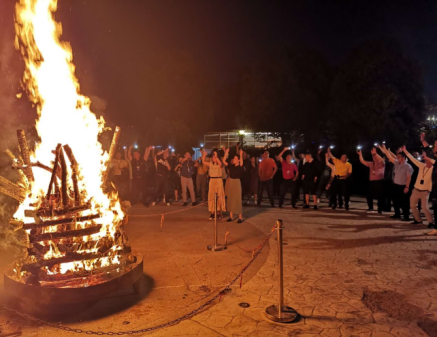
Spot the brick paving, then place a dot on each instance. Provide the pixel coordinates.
(330, 258)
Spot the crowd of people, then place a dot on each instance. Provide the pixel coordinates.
(228, 178)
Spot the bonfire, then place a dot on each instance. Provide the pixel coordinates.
(73, 225)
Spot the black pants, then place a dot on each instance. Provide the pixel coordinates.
(321, 186)
(341, 192)
(268, 185)
(434, 209)
(137, 192)
(333, 193)
(375, 192)
(162, 187)
(277, 182)
(401, 201)
(298, 188)
(288, 185)
(387, 195)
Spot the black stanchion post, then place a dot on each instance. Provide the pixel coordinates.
(215, 247)
(280, 313)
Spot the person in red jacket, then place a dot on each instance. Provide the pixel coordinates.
(290, 174)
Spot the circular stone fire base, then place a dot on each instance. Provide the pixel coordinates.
(37, 299)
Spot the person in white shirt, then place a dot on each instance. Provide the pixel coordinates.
(422, 188)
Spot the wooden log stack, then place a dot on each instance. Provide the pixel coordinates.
(65, 229)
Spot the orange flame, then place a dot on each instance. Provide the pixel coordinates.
(64, 117)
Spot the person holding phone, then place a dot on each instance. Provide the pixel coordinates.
(215, 184)
(201, 177)
(233, 185)
(343, 170)
(376, 179)
(162, 176)
(138, 165)
(310, 174)
(422, 187)
(402, 177)
(290, 174)
(267, 170)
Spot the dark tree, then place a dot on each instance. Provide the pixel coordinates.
(168, 132)
(377, 95)
(287, 92)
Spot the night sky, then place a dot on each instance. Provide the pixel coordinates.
(134, 58)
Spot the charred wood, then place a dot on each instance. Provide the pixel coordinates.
(61, 221)
(25, 154)
(67, 234)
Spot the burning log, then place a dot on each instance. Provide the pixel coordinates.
(13, 190)
(55, 168)
(60, 221)
(79, 274)
(40, 250)
(112, 151)
(66, 234)
(22, 142)
(41, 165)
(46, 212)
(63, 178)
(15, 161)
(73, 166)
(71, 257)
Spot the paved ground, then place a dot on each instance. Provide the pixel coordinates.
(179, 272)
(331, 259)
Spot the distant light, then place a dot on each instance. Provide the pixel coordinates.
(124, 147)
(383, 142)
(321, 147)
(201, 145)
(242, 132)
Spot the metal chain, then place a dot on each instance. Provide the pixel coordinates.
(157, 327)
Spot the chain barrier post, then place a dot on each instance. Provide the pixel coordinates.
(215, 247)
(281, 313)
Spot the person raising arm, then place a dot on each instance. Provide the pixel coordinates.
(422, 188)
(267, 169)
(215, 184)
(343, 170)
(387, 153)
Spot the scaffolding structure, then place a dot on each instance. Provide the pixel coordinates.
(213, 140)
